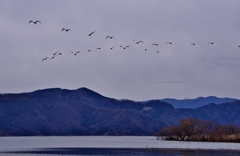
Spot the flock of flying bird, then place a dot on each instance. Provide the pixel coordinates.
(110, 47)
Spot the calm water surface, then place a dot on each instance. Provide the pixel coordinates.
(108, 145)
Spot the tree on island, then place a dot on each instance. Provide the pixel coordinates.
(200, 130)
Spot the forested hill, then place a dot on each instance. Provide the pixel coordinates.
(85, 112)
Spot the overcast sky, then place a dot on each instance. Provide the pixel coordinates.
(178, 70)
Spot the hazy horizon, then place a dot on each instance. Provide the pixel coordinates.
(186, 98)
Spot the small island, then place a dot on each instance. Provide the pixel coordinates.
(200, 130)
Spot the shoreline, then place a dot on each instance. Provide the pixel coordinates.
(108, 142)
(124, 151)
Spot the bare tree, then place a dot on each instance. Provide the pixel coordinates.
(200, 130)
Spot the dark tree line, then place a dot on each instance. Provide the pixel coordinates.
(200, 130)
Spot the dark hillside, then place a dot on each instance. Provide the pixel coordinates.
(84, 112)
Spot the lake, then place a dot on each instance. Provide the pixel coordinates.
(111, 145)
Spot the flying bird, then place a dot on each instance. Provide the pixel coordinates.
(52, 57)
(124, 47)
(75, 53)
(90, 34)
(35, 22)
(44, 59)
(112, 47)
(211, 43)
(194, 44)
(98, 48)
(156, 44)
(89, 50)
(111, 37)
(55, 53)
(64, 29)
(169, 43)
(138, 41)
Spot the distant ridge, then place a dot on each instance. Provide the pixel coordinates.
(198, 102)
(82, 111)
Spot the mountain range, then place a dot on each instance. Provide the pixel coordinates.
(198, 102)
(82, 111)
